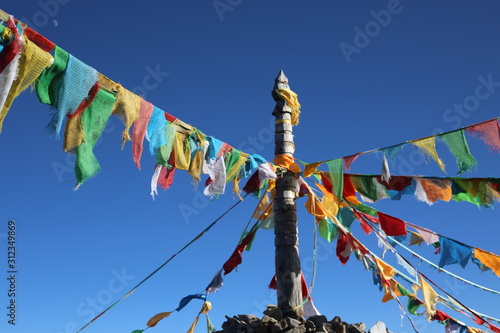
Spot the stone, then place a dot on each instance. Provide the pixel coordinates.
(336, 322)
(298, 329)
(266, 319)
(276, 327)
(310, 326)
(357, 328)
(379, 327)
(341, 328)
(318, 320)
(264, 328)
(274, 312)
(251, 320)
(290, 323)
(235, 325)
(328, 328)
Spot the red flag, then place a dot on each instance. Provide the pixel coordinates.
(392, 226)
(344, 249)
(396, 183)
(440, 316)
(236, 258)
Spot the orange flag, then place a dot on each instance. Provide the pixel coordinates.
(488, 259)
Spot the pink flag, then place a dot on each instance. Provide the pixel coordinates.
(139, 131)
(489, 132)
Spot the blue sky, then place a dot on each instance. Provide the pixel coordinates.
(403, 77)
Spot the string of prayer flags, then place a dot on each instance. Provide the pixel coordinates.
(153, 321)
(74, 89)
(371, 188)
(394, 290)
(384, 278)
(488, 131)
(442, 269)
(477, 317)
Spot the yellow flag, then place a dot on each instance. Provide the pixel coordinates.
(156, 318)
(182, 151)
(193, 325)
(310, 168)
(73, 133)
(430, 298)
(207, 306)
(428, 147)
(315, 208)
(387, 272)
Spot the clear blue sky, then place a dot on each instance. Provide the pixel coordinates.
(401, 82)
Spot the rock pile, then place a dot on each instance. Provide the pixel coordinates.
(274, 322)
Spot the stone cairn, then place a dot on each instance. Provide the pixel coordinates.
(274, 322)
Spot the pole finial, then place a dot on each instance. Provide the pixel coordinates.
(281, 82)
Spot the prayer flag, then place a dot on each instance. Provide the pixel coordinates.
(428, 148)
(457, 144)
(48, 82)
(76, 82)
(488, 259)
(453, 252)
(430, 298)
(94, 119)
(139, 131)
(489, 132)
(392, 226)
(336, 177)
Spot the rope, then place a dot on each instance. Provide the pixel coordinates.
(165, 263)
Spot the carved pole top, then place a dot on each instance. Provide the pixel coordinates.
(281, 82)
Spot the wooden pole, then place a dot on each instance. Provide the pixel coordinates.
(288, 272)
